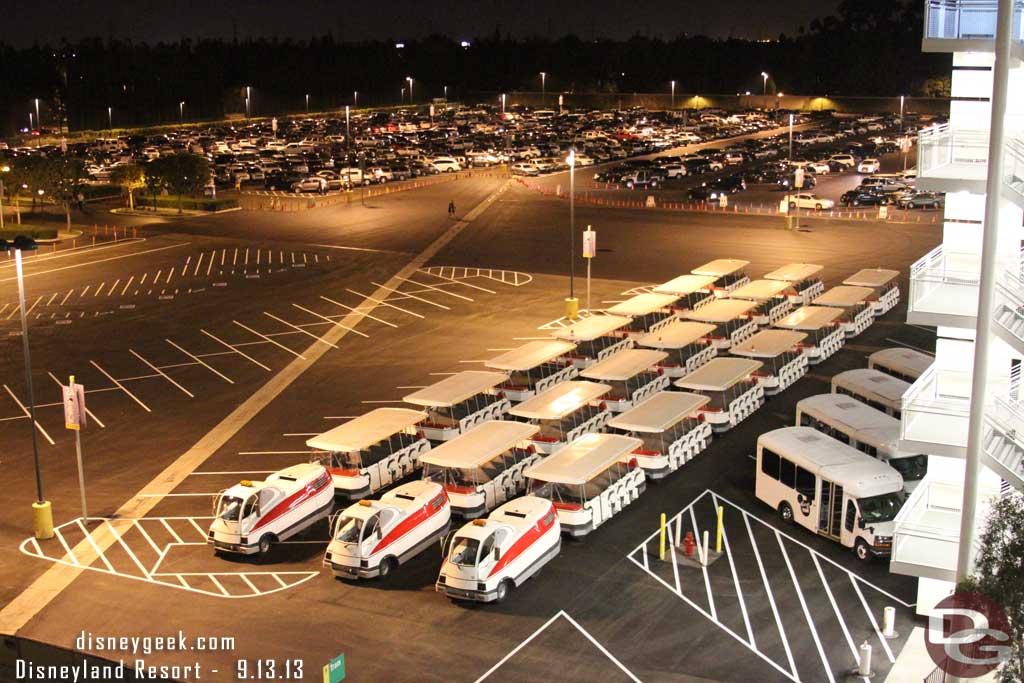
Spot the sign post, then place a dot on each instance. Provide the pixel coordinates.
(74, 419)
(334, 670)
(589, 252)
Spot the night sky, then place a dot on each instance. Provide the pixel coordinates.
(168, 20)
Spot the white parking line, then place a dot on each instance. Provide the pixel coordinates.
(50, 301)
(835, 610)
(198, 528)
(234, 472)
(156, 548)
(171, 531)
(217, 584)
(356, 310)
(29, 415)
(333, 322)
(806, 611)
(459, 282)
(871, 617)
(121, 386)
(736, 580)
(249, 583)
(162, 373)
(198, 263)
(243, 355)
(703, 565)
(437, 289)
(263, 336)
(70, 292)
(201, 362)
(124, 546)
(67, 548)
(92, 542)
(381, 302)
(276, 453)
(407, 295)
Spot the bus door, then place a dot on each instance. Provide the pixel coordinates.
(830, 509)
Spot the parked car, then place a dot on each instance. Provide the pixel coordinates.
(863, 198)
(807, 200)
(921, 200)
(445, 164)
(524, 168)
(846, 160)
(641, 179)
(310, 184)
(870, 165)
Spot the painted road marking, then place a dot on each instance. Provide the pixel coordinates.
(121, 386)
(299, 329)
(407, 295)
(356, 310)
(265, 337)
(240, 353)
(458, 282)
(28, 414)
(437, 289)
(102, 260)
(162, 373)
(201, 362)
(329, 320)
(381, 302)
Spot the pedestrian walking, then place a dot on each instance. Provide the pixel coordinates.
(451, 208)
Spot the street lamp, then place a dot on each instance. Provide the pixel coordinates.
(38, 120)
(502, 104)
(673, 94)
(3, 169)
(348, 142)
(446, 93)
(572, 304)
(181, 111)
(307, 103)
(401, 97)
(903, 143)
(764, 85)
(248, 100)
(42, 512)
(110, 120)
(355, 98)
(543, 88)
(409, 79)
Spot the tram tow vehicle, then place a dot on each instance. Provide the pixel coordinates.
(372, 537)
(534, 367)
(882, 282)
(824, 334)
(671, 428)
(901, 363)
(251, 516)
(877, 389)
(770, 296)
(691, 291)
(460, 402)
(589, 481)
(686, 343)
(731, 318)
(734, 391)
(371, 451)
(829, 488)
(857, 313)
(783, 358)
(491, 557)
(483, 468)
(728, 274)
(648, 312)
(564, 412)
(596, 338)
(633, 376)
(869, 430)
(803, 278)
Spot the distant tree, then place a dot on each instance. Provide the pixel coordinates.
(129, 177)
(25, 176)
(937, 86)
(186, 174)
(62, 181)
(156, 173)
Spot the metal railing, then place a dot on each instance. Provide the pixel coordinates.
(940, 269)
(967, 19)
(942, 394)
(1013, 166)
(941, 146)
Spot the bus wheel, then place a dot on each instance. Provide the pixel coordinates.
(266, 541)
(786, 512)
(387, 565)
(504, 589)
(861, 548)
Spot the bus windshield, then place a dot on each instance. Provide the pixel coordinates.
(349, 530)
(465, 552)
(881, 508)
(912, 469)
(229, 508)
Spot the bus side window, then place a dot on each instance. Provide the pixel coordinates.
(805, 483)
(870, 450)
(851, 513)
(770, 463)
(787, 473)
(806, 420)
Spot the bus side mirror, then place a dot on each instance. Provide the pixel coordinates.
(860, 523)
(497, 554)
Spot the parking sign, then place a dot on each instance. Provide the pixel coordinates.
(74, 406)
(589, 243)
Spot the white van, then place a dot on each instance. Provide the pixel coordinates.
(734, 391)
(803, 277)
(780, 352)
(671, 428)
(771, 298)
(885, 289)
(869, 430)
(877, 389)
(691, 291)
(460, 402)
(824, 334)
(900, 362)
(491, 557)
(251, 516)
(445, 165)
(371, 451)
(596, 338)
(732, 320)
(728, 273)
(632, 374)
(648, 312)
(484, 467)
(372, 537)
(589, 481)
(830, 488)
(858, 314)
(534, 367)
(686, 344)
(564, 412)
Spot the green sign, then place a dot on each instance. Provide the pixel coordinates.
(334, 670)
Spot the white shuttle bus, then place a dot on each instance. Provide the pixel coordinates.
(901, 363)
(534, 367)
(460, 402)
(729, 274)
(780, 352)
(372, 537)
(824, 334)
(564, 412)
(671, 428)
(633, 376)
(483, 468)
(869, 430)
(371, 451)
(857, 313)
(734, 391)
(491, 557)
(686, 343)
(589, 481)
(691, 291)
(731, 318)
(829, 488)
(773, 302)
(882, 282)
(596, 338)
(803, 279)
(877, 389)
(648, 312)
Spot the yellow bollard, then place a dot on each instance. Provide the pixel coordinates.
(718, 534)
(661, 549)
(572, 308)
(42, 520)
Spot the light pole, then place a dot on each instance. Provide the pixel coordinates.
(543, 88)
(181, 111)
(903, 143)
(248, 100)
(3, 169)
(355, 98)
(110, 120)
(38, 120)
(572, 304)
(307, 103)
(502, 104)
(673, 94)
(401, 97)
(348, 142)
(446, 93)
(764, 88)
(409, 79)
